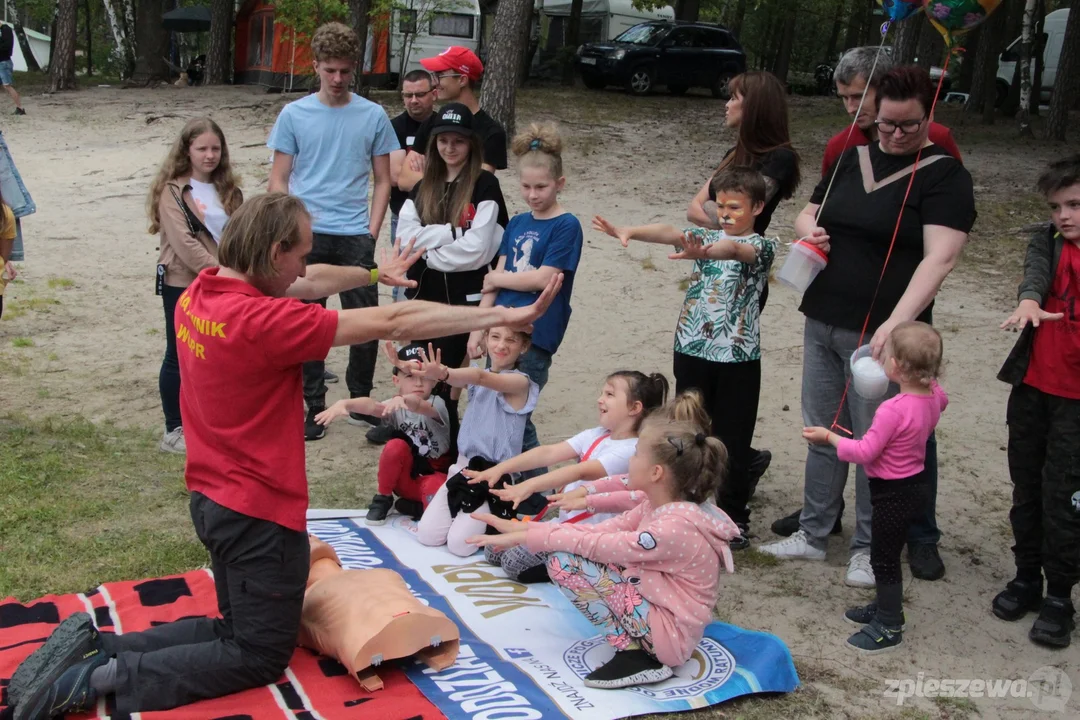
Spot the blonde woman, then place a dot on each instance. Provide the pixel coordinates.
(190, 201)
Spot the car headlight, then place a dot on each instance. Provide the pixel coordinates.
(618, 54)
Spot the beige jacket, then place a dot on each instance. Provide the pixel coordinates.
(187, 247)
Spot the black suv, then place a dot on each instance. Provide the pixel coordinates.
(677, 54)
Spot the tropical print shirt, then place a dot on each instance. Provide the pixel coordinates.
(721, 315)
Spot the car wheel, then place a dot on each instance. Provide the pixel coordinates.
(720, 86)
(593, 82)
(677, 89)
(641, 79)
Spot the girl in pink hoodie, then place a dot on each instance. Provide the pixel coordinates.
(648, 578)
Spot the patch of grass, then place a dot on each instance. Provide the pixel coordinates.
(684, 284)
(44, 393)
(22, 342)
(12, 366)
(153, 331)
(86, 504)
(648, 264)
(53, 357)
(753, 558)
(61, 282)
(956, 708)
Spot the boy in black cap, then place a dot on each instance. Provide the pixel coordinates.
(414, 462)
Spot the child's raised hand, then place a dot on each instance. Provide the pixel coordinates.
(431, 366)
(816, 435)
(516, 494)
(485, 476)
(1028, 311)
(506, 540)
(332, 413)
(576, 499)
(503, 526)
(475, 346)
(692, 249)
(621, 234)
(395, 403)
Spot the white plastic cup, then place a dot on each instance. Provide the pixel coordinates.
(802, 265)
(868, 378)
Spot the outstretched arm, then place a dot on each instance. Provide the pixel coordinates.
(321, 281)
(656, 233)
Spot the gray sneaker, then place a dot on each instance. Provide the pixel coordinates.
(173, 442)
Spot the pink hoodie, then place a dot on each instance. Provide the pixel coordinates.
(674, 552)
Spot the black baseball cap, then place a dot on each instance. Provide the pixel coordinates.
(454, 117)
(410, 352)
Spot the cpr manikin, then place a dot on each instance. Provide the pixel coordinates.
(364, 617)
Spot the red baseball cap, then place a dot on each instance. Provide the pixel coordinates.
(458, 59)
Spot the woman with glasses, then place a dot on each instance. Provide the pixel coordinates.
(873, 283)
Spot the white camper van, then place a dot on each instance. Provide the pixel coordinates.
(424, 28)
(1053, 31)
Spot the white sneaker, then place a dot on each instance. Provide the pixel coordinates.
(796, 547)
(173, 442)
(859, 572)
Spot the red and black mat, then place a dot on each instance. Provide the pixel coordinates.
(313, 687)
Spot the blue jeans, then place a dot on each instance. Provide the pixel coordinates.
(397, 293)
(535, 363)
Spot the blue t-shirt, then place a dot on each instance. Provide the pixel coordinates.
(529, 244)
(332, 149)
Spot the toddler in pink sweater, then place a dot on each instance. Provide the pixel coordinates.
(648, 578)
(893, 451)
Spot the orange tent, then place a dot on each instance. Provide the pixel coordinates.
(264, 52)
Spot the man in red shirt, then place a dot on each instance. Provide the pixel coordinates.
(242, 345)
(851, 78)
(1044, 419)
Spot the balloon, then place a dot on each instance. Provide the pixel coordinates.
(901, 9)
(953, 18)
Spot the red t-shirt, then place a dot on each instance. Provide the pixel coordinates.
(939, 135)
(1055, 351)
(242, 396)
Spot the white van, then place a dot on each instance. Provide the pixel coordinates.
(424, 28)
(1053, 30)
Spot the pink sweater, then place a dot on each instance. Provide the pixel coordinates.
(675, 551)
(895, 445)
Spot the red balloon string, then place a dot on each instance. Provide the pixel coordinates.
(892, 244)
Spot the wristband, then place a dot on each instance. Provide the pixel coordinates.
(374, 276)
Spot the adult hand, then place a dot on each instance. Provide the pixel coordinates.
(692, 249)
(515, 494)
(817, 237)
(476, 344)
(620, 233)
(498, 541)
(9, 268)
(503, 526)
(394, 265)
(712, 210)
(522, 318)
(877, 342)
(816, 435)
(1028, 311)
(332, 413)
(416, 162)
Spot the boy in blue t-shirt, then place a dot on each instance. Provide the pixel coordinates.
(536, 245)
(325, 147)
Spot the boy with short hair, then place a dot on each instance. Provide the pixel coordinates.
(413, 463)
(1044, 418)
(325, 146)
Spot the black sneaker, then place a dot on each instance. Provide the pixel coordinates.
(865, 614)
(1054, 626)
(1018, 599)
(876, 638)
(925, 562)
(67, 645)
(627, 669)
(742, 541)
(312, 429)
(69, 693)
(758, 465)
(379, 509)
(20, 111)
(380, 434)
(329, 378)
(412, 508)
(789, 525)
(361, 420)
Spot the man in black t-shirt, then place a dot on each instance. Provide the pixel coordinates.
(7, 47)
(418, 94)
(457, 70)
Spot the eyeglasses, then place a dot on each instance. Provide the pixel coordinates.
(440, 78)
(906, 127)
(417, 95)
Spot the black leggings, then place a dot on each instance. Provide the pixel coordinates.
(730, 392)
(896, 503)
(169, 376)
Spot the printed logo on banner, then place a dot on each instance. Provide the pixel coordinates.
(709, 667)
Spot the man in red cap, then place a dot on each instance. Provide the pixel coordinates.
(457, 72)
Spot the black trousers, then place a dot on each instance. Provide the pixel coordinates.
(895, 505)
(169, 375)
(260, 573)
(1044, 464)
(345, 251)
(730, 392)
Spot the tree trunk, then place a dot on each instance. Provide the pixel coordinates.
(985, 61)
(687, 10)
(358, 18)
(871, 30)
(854, 25)
(524, 41)
(62, 57)
(834, 36)
(1023, 116)
(906, 43)
(573, 39)
(993, 31)
(1064, 94)
(928, 52)
(1038, 47)
(121, 19)
(499, 90)
(787, 42)
(217, 58)
(151, 44)
(28, 55)
(966, 81)
(737, 18)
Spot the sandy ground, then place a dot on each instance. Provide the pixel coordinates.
(88, 158)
